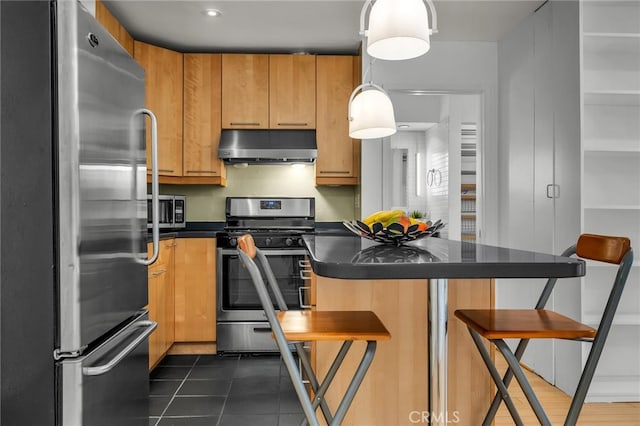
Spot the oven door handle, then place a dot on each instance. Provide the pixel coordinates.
(304, 264)
(284, 252)
(301, 297)
(303, 274)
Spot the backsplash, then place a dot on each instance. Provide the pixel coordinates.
(207, 202)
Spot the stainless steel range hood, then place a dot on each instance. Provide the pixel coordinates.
(268, 146)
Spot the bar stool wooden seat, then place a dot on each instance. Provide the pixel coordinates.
(498, 324)
(292, 328)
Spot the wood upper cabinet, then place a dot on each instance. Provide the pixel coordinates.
(245, 91)
(202, 115)
(195, 293)
(338, 160)
(164, 82)
(111, 24)
(161, 301)
(292, 91)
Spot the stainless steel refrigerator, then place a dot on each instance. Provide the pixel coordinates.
(73, 116)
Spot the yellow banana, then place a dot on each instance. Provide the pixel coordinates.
(382, 216)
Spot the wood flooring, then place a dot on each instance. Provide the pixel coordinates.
(556, 404)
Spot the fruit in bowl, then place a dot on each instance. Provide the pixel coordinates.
(388, 217)
(392, 226)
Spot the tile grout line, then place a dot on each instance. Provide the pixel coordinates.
(177, 390)
(224, 404)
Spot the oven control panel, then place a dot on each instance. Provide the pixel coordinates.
(263, 241)
(270, 205)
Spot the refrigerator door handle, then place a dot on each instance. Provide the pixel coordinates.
(155, 228)
(148, 326)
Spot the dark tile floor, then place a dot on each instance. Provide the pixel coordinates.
(199, 390)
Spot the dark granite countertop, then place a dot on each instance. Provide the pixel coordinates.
(192, 230)
(351, 257)
(211, 230)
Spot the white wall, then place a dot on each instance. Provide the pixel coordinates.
(438, 159)
(394, 195)
(207, 202)
(458, 67)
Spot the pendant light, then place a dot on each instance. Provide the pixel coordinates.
(370, 113)
(398, 29)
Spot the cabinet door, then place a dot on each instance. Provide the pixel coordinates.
(195, 269)
(401, 363)
(245, 91)
(202, 115)
(161, 302)
(113, 27)
(292, 91)
(164, 72)
(155, 353)
(338, 154)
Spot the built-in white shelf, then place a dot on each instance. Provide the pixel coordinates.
(611, 128)
(612, 97)
(597, 146)
(588, 36)
(593, 319)
(614, 388)
(611, 207)
(611, 43)
(611, 17)
(594, 264)
(610, 189)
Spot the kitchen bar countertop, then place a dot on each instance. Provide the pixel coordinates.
(436, 261)
(212, 229)
(351, 257)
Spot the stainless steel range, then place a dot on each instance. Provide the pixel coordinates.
(277, 225)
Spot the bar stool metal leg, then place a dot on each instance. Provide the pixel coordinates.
(506, 379)
(367, 358)
(502, 394)
(522, 380)
(313, 382)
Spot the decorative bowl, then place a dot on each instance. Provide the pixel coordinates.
(395, 233)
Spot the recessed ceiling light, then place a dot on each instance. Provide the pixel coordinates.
(212, 12)
(403, 126)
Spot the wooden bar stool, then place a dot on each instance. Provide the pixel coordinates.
(295, 327)
(496, 325)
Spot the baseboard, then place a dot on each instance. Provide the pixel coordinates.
(193, 348)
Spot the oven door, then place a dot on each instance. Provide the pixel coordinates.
(237, 297)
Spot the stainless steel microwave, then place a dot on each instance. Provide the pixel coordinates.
(172, 212)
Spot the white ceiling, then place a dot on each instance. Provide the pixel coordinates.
(290, 26)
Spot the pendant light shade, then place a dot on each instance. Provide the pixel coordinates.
(398, 29)
(371, 113)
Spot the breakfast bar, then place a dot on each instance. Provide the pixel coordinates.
(345, 257)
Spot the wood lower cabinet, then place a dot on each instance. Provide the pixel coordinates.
(338, 160)
(163, 83)
(195, 293)
(202, 120)
(161, 301)
(396, 384)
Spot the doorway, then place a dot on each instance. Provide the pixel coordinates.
(433, 165)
